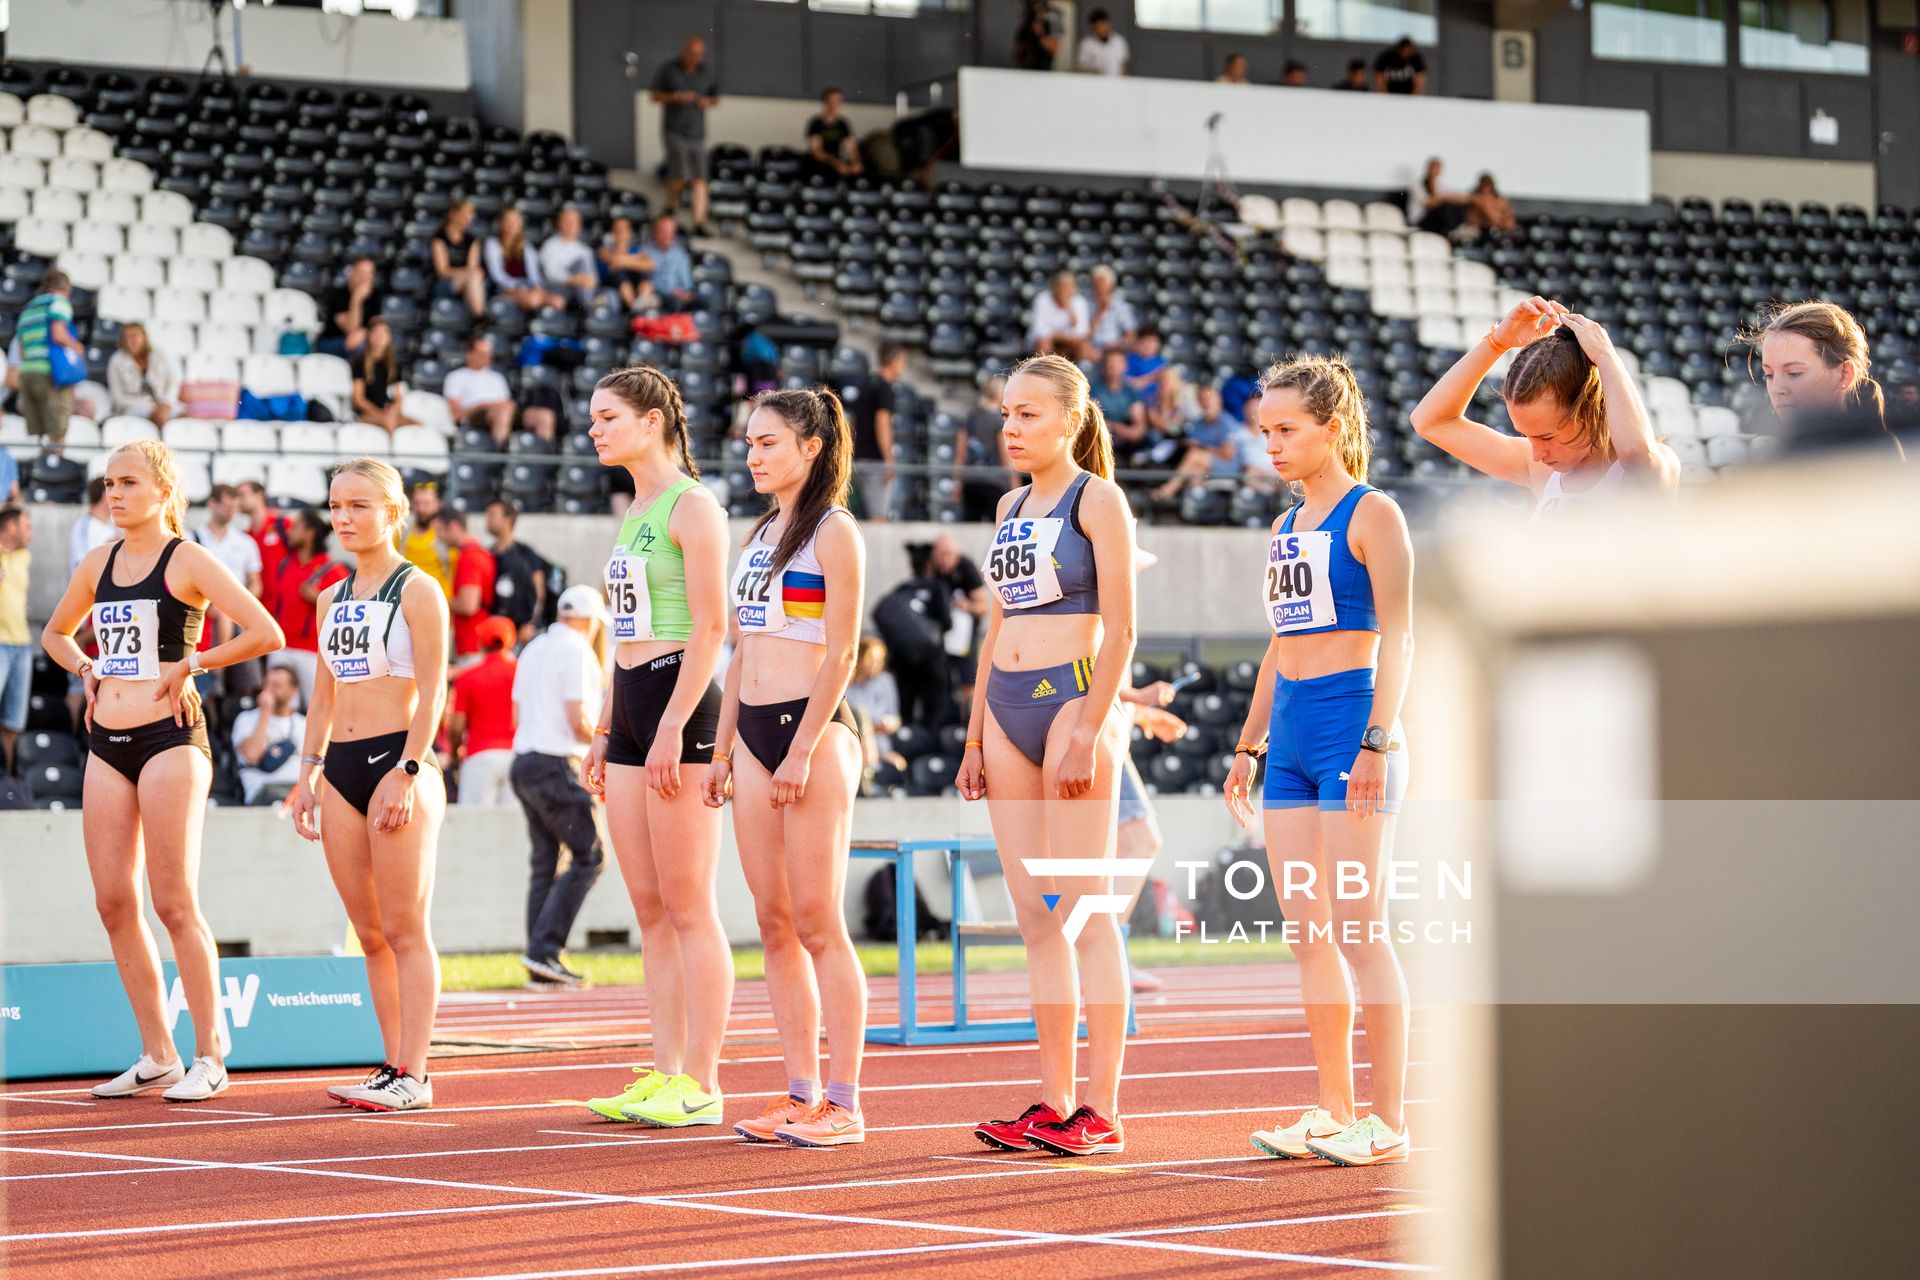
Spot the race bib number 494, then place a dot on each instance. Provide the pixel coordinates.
(128, 634)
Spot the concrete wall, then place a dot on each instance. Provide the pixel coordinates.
(751, 122)
(263, 886)
(1204, 585)
(1719, 177)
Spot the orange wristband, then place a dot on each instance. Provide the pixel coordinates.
(1494, 342)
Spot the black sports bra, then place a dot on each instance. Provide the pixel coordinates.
(179, 624)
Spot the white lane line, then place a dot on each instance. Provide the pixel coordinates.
(222, 1111)
(703, 1263)
(47, 1102)
(1217, 1177)
(423, 1124)
(1274, 1222)
(310, 1219)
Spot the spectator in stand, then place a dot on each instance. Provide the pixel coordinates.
(1216, 447)
(16, 642)
(979, 443)
(1121, 405)
(305, 571)
(1431, 207)
(473, 575)
(686, 90)
(914, 618)
(268, 529)
(1356, 78)
(94, 528)
(481, 720)
(1400, 69)
(1062, 322)
(556, 694)
(1103, 51)
(1037, 39)
(1489, 212)
(831, 150)
(477, 394)
(9, 478)
(1113, 323)
(267, 738)
(1256, 469)
(624, 265)
(1144, 363)
(377, 389)
(457, 269)
(514, 267)
(345, 310)
(141, 381)
(46, 323)
(1293, 75)
(875, 700)
(872, 414)
(1235, 70)
(1174, 408)
(672, 266)
(565, 260)
(520, 580)
(232, 547)
(422, 545)
(970, 602)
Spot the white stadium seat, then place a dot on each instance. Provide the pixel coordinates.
(173, 335)
(1662, 392)
(34, 139)
(266, 375)
(12, 111)
(116, 207)
(57, 204)
(328, 379)
(1429, 301)
(227, 307)
(237, 468)
(1389, 274)
(130, 176)
(196, 477)
(117, 431)
(181, 306)
(82, 433)
(307, 437)
(140, 270)
(1674, 420)
(1713, 420)
(231, 341)
(1298, 211)
(40, 236)
(202, 365)
(70, 173)
(15, 204)
(1431, 274)
(87, 144)
(205, 240)
(52, 111)
(96, 237)
(1346, 244)
(166, 209)
(192, 434)
(194, 273)
(1346, 272)
(1479, 275)
(1726, 451)
(21, 171)
(1395, 302)
(420, 442)
(1304, 242)
(13, 430)
(1426, 245)
(354, 438)
(1441, 331)
(1384, 244)
(429, 409)
(300, 481)
(1342, 213)
(245, 436)
(86, 270)
(247, 275)
(291, 310)
(153, 239)
(1381, 216)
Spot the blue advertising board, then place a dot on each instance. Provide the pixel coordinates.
(292, 1011)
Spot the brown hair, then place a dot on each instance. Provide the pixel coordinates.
(1556, 366)
(643, 388)
(1328, 390)
(166, 474)
(1838, 338)
(813, 413)
(1092, 442)
(513, 248)
(370, 368)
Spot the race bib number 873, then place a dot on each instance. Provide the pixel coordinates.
(128, 634)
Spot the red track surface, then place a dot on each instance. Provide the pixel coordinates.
(508, 1176)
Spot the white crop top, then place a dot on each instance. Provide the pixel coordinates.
(368, 639)
(1553, 498)
(791, 604)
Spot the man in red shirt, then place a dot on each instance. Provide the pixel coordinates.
(482, 725)
(473, 573)
(302, 574)
(268, 529)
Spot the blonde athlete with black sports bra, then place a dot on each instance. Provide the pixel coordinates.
(1047, 742)
(666, 582)
(145, 787)
(797, 602)
(1583, 432)
(377, 699)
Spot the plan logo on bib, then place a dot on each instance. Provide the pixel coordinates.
(1088, 905)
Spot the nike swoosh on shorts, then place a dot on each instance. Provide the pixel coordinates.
(377, 759)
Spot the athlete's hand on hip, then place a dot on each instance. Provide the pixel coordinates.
(663, 762)
(301, 804)
(1529, 322)
(1074, 777)
(972, 779)
(593, 769)
(790, 779)
(1237, 790)
(182, 695)
(1367, 784)
(719, 783)
(393, 801)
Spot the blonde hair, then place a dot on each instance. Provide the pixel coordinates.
(1092, 442)
(166, 474)
(1328, 390)
(393, 491)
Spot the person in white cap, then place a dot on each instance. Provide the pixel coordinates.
(557, 690)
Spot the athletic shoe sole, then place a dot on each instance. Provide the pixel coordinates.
(1093, 1149)
(364, 1105)
(688, 1123)
(136, 1091)
(751, 1136)
(997, 1144)
(1261, 1144)
(214, 1093)
(609, 1113)
(1391, 1157)
(842, 1141)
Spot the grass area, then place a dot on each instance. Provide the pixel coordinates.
(501, 970)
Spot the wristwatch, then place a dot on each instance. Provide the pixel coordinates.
(1377, 739)
(411, 768)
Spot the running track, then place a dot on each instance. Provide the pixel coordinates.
(508, 1176)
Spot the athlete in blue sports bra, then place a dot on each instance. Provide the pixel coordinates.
(1337, 592)
(1045, 741)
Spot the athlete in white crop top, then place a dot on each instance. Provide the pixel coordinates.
(1572, 401)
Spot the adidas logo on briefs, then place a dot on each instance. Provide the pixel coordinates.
(1044, 689)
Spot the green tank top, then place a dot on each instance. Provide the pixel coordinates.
(644, 538)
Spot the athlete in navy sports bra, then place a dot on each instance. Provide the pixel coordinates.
(146, 784)
(1337, 590)
(1046, 741)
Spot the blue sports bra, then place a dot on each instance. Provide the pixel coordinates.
(1012, 575)
(1297, 604)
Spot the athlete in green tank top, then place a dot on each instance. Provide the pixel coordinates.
(645, 537)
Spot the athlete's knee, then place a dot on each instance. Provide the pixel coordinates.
(407, 938)
(1100, 933)
(372, 940)
(689, 915)
(820, 929)
(777, 932)
(649, 909)
(176, 908)
(1037, 924)
(119, 908)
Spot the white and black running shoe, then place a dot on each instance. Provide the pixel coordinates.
(401, 1092)
(204, 1079)
(344, 1093)
(141, 1077)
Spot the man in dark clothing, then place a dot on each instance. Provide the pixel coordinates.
(830, 148)
(1356, 81)
(1037, 38)
(345, 310)
(872, 414)
(913, 618)
(1400, 69)
(520, 577)
(969, 604)
(685, 89)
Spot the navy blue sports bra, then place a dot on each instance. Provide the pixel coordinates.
(1073, 563)
(1290, 596)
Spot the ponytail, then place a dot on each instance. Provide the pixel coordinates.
(1093, 447)
(643, 389)
(811, 413)
(1092, 441)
